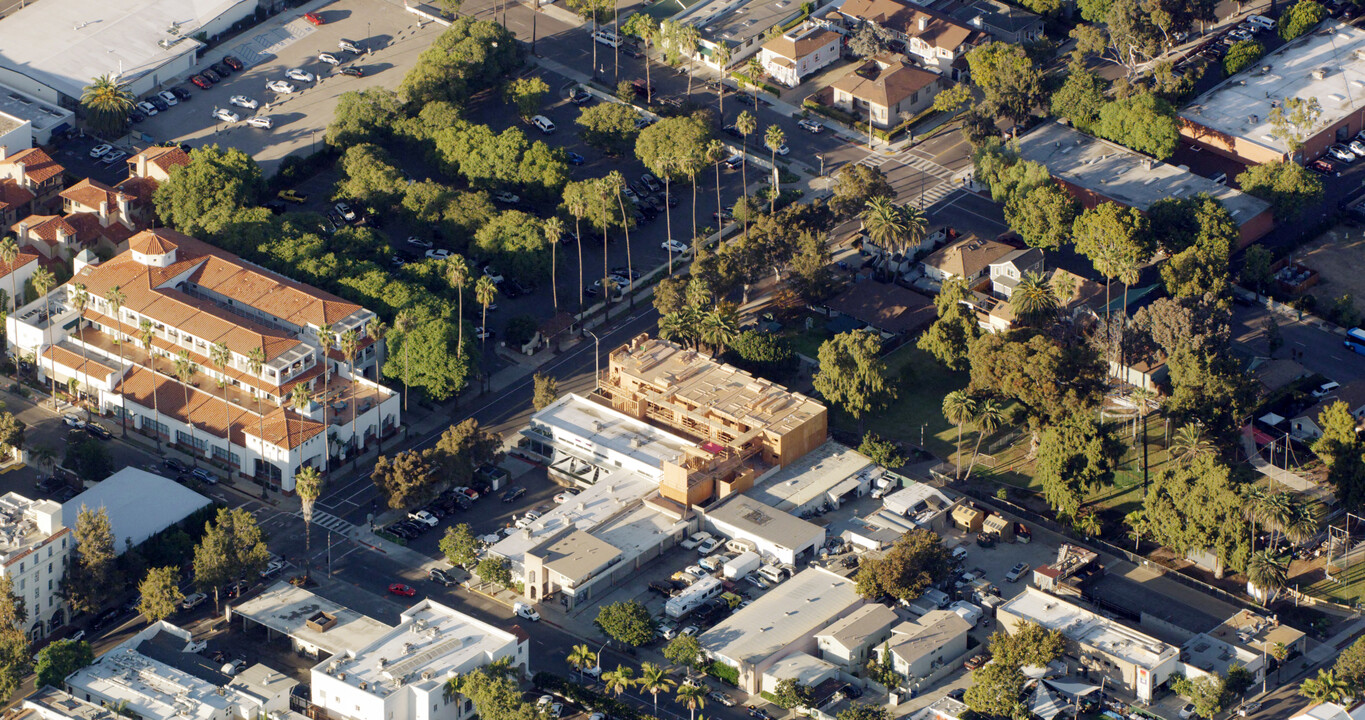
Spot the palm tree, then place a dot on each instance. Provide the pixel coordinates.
(645, 27)
(107, 104)
(457, 271)
(715, 153)
(1268, 573)
(146, 334)
(1033, 299)
(746, 124)
(185, 368)
(582, 657)
(754, 68)
(1280, 652)
(619, 680)
(9, 252)
(327, 338)
(884, 222)
(1301, 525)
(719, 327)
(616, 181)
(693, 696)
(723, 56)
(654, 679)
(300, 399)
(604, 195)
(81, 298)
(1189, 444)
(959, 407)
(116, 298)
(988, 416)
(220, 356)
(403, 323)
(774, 138)
(485, 291)
(687, 39)
(578, 207)
(255, 362)
(43, 281)
(1326, 687)
(308, 485)
(553, 228)
(350, 345)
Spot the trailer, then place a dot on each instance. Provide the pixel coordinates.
(742, 565)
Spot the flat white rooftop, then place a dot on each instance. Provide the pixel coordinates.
(1240, 106)
(431, 638)
(287, 609)
(152, 688)
(815, 474)
(1087, 628)
(612, 430)
(801, 605)
(1122, 175)
(65, 43)
(609, 496)
(140, 504)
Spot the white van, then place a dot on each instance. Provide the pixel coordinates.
(1263, 21)
(607, 37)
(772, 573)
(526, 611)
(543, 123)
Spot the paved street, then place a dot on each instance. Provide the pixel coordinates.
(1322, 352)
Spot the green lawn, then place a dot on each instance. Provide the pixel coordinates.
(919, 408)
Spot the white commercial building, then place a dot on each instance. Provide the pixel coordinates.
(402, 675)
(210, 306)
(776, 535)
(53, 49)
(34, 547)
(600, 440)
(155, 677)
(783, 621)
(315, 625)
(49, 703)
(140, 504)
(1139, 662)
(829, 474)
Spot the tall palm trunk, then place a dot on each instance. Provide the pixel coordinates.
(606, 280)
(578, 242)
(459, 341)
(156, 399)
(693, 177)
(959, 451)
(123, 407)
(649, 84)
(554, 286)
(668, 218)
(630, 267)
(594, 42)
(720, 209)
(355, 458)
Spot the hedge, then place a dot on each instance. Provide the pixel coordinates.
(765, 87)
(723, 673)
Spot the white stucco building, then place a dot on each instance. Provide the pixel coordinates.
(34, 546)
(251, 337)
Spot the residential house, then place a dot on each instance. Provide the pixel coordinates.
(96, 217)
(33, 170)
(932, 39)
(888, 91)
(1307, 427)
(1004, 23)
(146, 171)
(795, 54)
(891, 310)
(198, 300)
(969, 259)
(1006, 272)
(807, 670)
(1332, 711)
(918, 648)
(16, 201)
(1146, 372)
(847, 642)
(13, 277)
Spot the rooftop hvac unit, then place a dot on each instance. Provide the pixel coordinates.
(1319, 73)
(1360, 53)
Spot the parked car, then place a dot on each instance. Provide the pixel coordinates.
(696, 539)
(706, 547)
(422, 516)
(280, 87)
(299, 74)
(524, 610)
(293, 196)
(168, 97)
(401, 589)
(200, 82)
(438, 254)
(99, 431)
(1341, 153)
(204, 476)
(1324, 166)
(1017, 572)
(243, 101)
(175, 465)
(810, 126)
(976, 661)
(721, 697)
(314, 18)
(437, 575)
(758, 713)
(673, 246)
(349, 46)
(193, 600)
(233, 62)
(181, 93)
(147, 108)
(261, 121)
(512, 493)
(233, 667)
(329, 58)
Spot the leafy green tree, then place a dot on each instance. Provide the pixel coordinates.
(15, 658)
(858, 710)
(673, 148)
(367, 116)
(159, 594)
(995, 691)
(459, 545)
(1080, 97)
(59, 659)
(1049, 380)
(627, 622)
(1301, 17)
(855, 185)
(868, 40)
(609, 127)
(1203, 267)
(1076, 457)
(1350, 666)
(515, 242)
(546, 391)
(1029, 644)
(763, 354)
(371, 177)
(916, 561)
(1256, 273)
(494, 570)
(852, 374)
(1043, 216)
(790, 694)
(428, 357)
(106, 103)
(953, 99)
(526, 94)
(883, 452)
(463, 448)
(1287, 186)
(1294, 119)
(468, 57)
(1241, 56)
(88, 579)
(202, 197)
(232, 547)
(87, 457)
(406, 479)
(1196, 506)
(951, 336)
(1205, 692)
(1008, 78)
(1001, 169)
(1142, 122)
(684, 651)
(811, 278)
(493, 691)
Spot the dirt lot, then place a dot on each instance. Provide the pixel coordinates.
(1339, 258)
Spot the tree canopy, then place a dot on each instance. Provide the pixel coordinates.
(916, 561)
(1142, 122)
(627, 622)
(1288, 186)
(204, 196)
(852, 375)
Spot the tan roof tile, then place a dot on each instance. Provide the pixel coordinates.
(90, 193)
(149, 242)
(13, 195)
(39, 167)
(165, 158)
(74, 361)
(885, 86)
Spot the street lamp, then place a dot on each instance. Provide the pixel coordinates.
(312, 144)
(596, 361)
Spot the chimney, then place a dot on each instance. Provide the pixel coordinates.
(104, 212)
(22, 174)
(62, 235)
(923, 22)
(23, 231)
(4, 151)
(123, 213)
(142, 164)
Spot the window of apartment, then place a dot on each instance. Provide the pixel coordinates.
(21, 583)
(220, 453)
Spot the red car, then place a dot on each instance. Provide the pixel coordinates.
(201, 82)
(314, 18)
(233, 62)
(401, 589)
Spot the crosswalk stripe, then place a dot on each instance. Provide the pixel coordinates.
(331, 522)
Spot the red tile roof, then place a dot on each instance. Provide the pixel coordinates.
(12, 194)
(165, 158)
(90, 193)
(38, 166)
